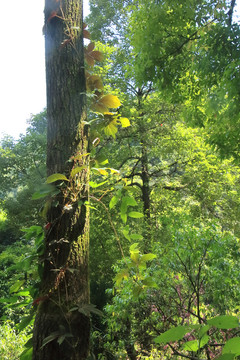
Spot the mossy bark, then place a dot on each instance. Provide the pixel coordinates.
(64, 284)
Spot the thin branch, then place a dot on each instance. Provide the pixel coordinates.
(111, 223)
(175, 188)
(230, 12)
(176, 352)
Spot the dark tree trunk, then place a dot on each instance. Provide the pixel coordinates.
(145, 188)
(64, 285)
(146, 198)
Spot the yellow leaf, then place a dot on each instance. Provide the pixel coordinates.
(111, 101)
(101, 171)
(124, 122)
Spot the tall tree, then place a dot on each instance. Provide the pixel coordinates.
(62, 327)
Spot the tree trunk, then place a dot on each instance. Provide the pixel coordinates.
(64, 290)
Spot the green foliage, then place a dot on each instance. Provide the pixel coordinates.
(176, 287)
(22, 165)
(11, 342)
(230, 350)
(177, 293)
(190, 51)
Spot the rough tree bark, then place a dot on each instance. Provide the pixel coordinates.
(64, 290)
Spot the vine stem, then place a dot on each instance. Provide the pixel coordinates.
(111, 223)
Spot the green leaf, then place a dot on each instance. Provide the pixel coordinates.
(174, 334)
(150, 283)
(54, 335)
(113, 201)
(135, 214)
(136, 237)
(137, 291)
(27, 354)
(111, 129)
(194, 345)
(191, 345)
(96, 185)
(77, 170)
(16, 286)
(203, 330)
(124, 217)
(29, 343)
(133, 246)
(148, 257)
(61, 339)
(122, 274)
(126, 233)
(56, 177)
(43, 192)
(11, 300)
(224, 322)
(232, 346)
(27, 320)
(127, 201)
(86, 309)
(226, 357)
(135, 255)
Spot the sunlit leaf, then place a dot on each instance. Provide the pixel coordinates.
(96, 185)
(16, 286)
(111, 129)
(77, 170)
(191, 345)
(113, 201)
(127, 201)
(111, 101)
(135, 214)
(133, 247)
(125, 232)
(101, 171)
(148, 257)
(56, 177)
(136, 237)
(124, 217)
(135, 255)
(124, 122)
